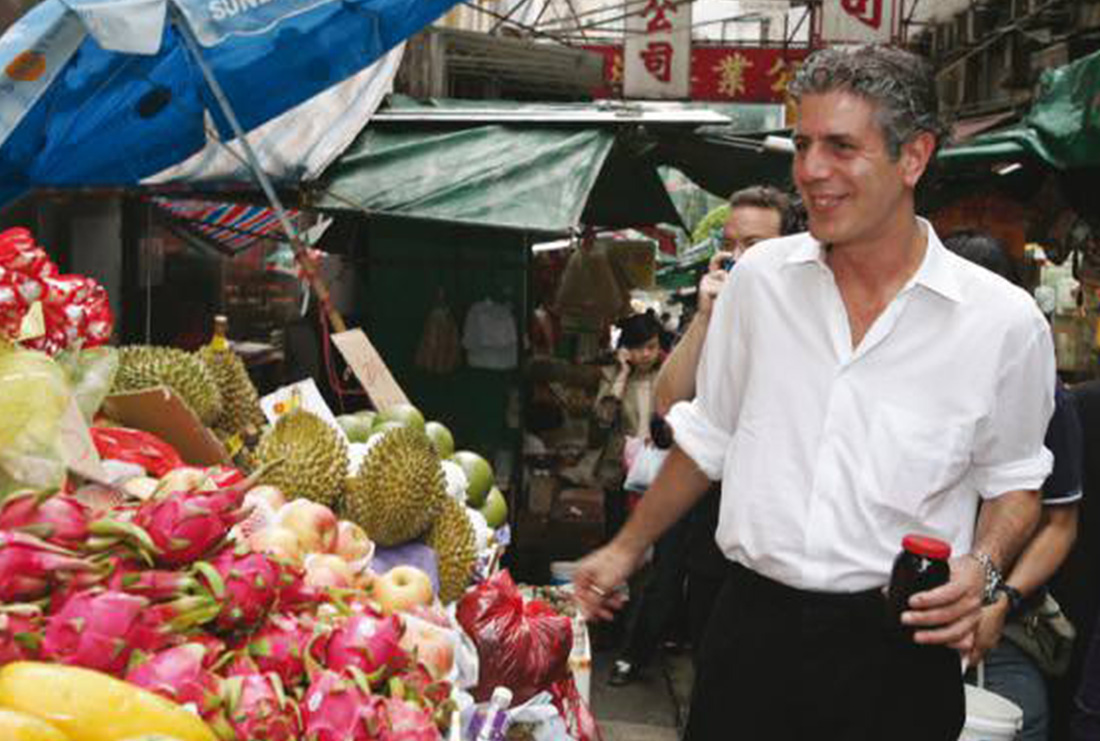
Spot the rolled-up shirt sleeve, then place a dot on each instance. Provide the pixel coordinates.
(703, 427)
(1009, 454)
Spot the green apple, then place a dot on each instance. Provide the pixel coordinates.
(357, 428)
(441, 438)
(495, 509)
(479, 476)
(406, 414)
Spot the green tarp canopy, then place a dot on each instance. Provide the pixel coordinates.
(1062, 129)
(538, 175)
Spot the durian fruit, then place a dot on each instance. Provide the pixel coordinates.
(241, 414)
(145, 366)
(398, 490)
(315, 458)
(454, 541)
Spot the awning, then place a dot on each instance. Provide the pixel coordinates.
(230, 228)
(535, 167)
(1062, 129)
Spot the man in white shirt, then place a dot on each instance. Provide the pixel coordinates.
(858, 383)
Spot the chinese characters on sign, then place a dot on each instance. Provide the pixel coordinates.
(657, 50)
(857, 21)
(731, 74)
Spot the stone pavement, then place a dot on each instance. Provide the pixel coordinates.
(652, 709)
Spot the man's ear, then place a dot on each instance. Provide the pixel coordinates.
(915, 156)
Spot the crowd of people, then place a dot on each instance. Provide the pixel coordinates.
(836, 390)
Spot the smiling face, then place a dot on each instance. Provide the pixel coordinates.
(853, 190)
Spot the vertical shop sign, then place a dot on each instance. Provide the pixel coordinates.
(857, 21)
(657, 50)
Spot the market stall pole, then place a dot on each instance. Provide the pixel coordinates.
(301, 252)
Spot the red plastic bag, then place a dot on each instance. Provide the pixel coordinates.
(136, 446)
(574, 711)
(521, 645)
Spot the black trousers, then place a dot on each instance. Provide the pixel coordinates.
(780, 664)
(662, 598)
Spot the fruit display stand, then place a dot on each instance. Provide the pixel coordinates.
(281, 583)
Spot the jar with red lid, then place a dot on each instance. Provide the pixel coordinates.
(921, 565)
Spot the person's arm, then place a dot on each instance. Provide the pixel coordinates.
(949, 614)
(676, 381)
(1041, 558)
(678, 486)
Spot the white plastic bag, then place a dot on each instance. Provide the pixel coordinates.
(643, 469)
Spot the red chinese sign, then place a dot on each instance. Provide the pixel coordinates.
(733, 74)
(868, 12)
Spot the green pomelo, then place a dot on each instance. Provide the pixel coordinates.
(479, 475)
(442, 439)
(495, 509)
(357, 428)
(406, 414)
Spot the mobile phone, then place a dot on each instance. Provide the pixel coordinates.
(727, 263)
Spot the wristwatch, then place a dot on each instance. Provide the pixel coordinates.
(993, 578)
(1015, 599)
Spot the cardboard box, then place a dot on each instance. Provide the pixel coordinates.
(161, 412)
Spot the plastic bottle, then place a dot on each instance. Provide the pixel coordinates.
(489, 722)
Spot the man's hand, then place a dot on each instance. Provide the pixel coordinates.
(712, 282)
(990, 626)
(948, 615)
(599, 578)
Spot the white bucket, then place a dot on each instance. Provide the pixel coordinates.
(561, 572)
(990, 717)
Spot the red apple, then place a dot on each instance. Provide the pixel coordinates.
(328, 570)
(313, 523)
(278, 542)
(431, 645)
(352, 543)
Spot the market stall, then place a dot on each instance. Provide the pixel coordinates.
(184, 557)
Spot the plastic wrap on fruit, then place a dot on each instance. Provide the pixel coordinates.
(34, 393)
(91, 372)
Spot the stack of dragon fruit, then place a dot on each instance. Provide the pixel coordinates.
(156, 592)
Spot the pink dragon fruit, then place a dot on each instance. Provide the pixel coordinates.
(100, 629)
(280, 646)
(57, 518)
(182, 675)
(20, 633)
(133, 577)
(31, 567)
(245, 583)
(295, 594)
(407, 722)
(257, 708)
(417, 683)
(370, 643)
(335, 708)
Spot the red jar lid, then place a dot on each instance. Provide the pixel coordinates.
(922, 545)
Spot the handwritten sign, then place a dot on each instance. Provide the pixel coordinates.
(369, 368)
(657, 50)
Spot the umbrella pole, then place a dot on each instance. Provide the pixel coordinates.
(301, 252)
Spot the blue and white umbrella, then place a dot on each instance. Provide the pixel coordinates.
(110, 92)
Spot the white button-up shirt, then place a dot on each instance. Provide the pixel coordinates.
(828, 454)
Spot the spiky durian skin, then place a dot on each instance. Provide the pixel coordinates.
(241, 413)
(315, 458)
(398, 490)
(145, 366)
(453, 539)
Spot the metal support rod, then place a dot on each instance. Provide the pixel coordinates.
(301, 252)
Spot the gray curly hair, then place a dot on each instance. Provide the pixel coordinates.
(901, 85)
